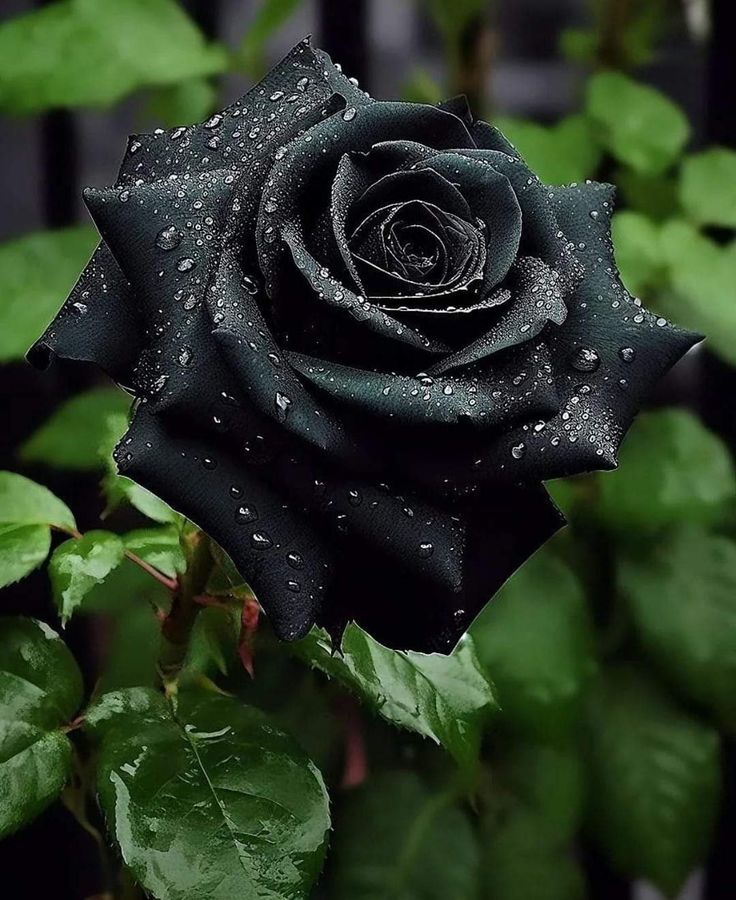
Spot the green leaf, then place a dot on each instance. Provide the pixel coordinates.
(270, 16)
(535, 641)
(671, 470)
(186, 103)
(119, 489)
(579, 45)
(558, 154)
(653, 195)
(550, 781)
(69, 439)
(159, 547)
(445, 698)
(655, 780)
(79, 564)
(708, 187)
(637, 124)
(22, 549)
(36, 273)
(523, 859)
(210, 800)
(639, 254)
(682, 595)
(40, 690)
(703, 286)
(394, 839)
(422, 87)
(131, 656)
(83, 53)
(23, 502)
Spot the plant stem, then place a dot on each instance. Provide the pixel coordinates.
(176, 628)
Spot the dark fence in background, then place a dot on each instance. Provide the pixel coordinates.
(366, 37)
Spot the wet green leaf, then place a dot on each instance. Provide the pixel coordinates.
(557, 154)
(70, 438)
(22, 549)
(40, 690)
(682, 595)
(655, 780)
(445, 698)
(159, 547)
(79, 564)
(395, 839)
(23, 502)
(638, 125)
(708, 187)
(209, 801)
(83, 53)
(671, 470)
(535, 641)
(36, 273)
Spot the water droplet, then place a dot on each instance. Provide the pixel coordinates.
(661, 322)
(271, 205)
(447, 390)
(585, 359)
(236, 492)
(518, 450)
(355, 498)
(295, 561)
(301, 85)
(594, 214)
(277, 95)
(169, 238)
(213, 121)
(426, 549)
(80, 308)
(259, 540)
(627, 354)
(350, 113)
(246, 513)
(124, 196)
(209, 463)
(185, 356)
(186, 264)
(293, 586)
(282, 405)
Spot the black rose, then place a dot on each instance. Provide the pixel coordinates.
(362, 335)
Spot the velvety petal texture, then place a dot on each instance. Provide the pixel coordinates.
(361, 336)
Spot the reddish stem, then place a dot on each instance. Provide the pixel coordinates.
(355, 769)
(248, 628)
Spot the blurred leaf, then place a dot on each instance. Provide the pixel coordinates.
(213, 769)
(708, 187)
(69, 439)
(22, 549)
(87, 53)
(535, 641)
(159, 547)
(269, 17)
(445, 698)
(653, 195)
(682, 594)
(671, 470)
(77, 565)
(394, 839)
(452, 20)
(655, 780)
(36, 273)
(422, 87)
(523, 859)
(579, 45)
(639, 255)
(638, 125)
(548, 780)
(558, 154)
(40, 690)
(119, 489)
(185, 103)
(131, 656)
(213, 647)
(23, 502)
(702, 293)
